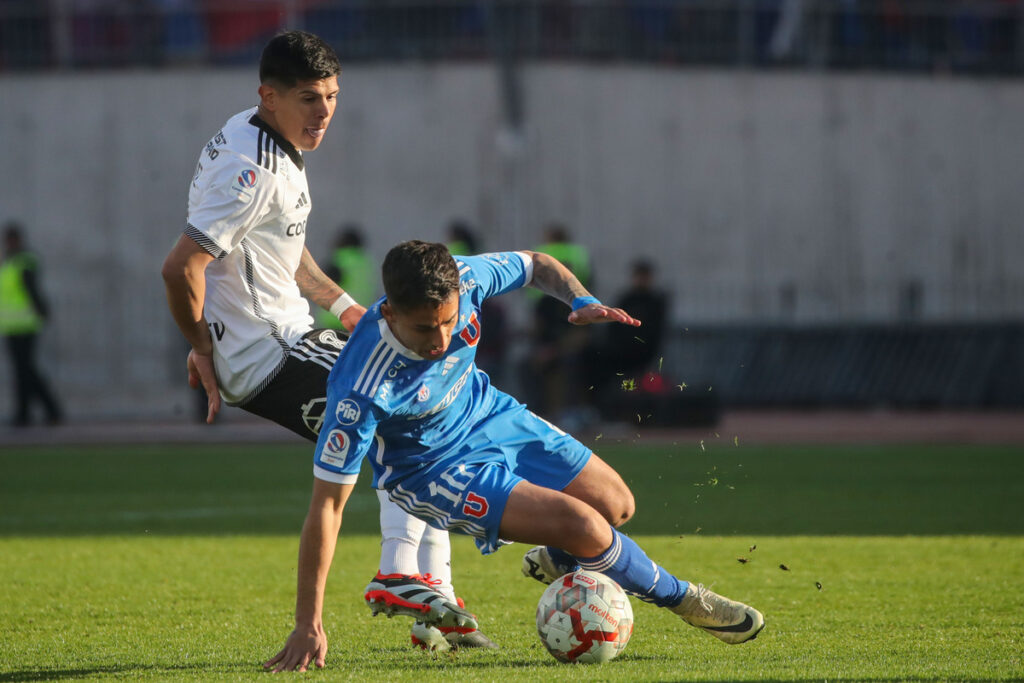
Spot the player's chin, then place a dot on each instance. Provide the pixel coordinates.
(311, 138)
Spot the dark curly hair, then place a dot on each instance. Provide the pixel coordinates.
(295, 56)
(418, 274)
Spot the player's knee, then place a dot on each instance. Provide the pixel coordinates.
(617, 505)
(625, 508)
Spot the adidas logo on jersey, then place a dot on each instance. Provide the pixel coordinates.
(302, 201)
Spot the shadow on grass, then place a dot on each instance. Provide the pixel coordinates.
(55, 674)
(64, 674)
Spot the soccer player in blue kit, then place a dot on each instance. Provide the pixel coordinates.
(458, 453)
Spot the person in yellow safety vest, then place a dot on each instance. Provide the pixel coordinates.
(492, 351)
(555, 361)
(352, 268)
(22, 315)
(571, 255)
(461, 239)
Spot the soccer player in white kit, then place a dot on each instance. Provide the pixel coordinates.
(236, 279)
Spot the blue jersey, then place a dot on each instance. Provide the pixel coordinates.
(403, 411)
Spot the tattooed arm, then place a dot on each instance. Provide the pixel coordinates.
(323, 291)
(554, 279)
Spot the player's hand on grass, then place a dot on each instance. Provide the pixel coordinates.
(303, 647)
(599, 313)
(200, 371)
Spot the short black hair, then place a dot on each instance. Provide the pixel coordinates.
(418, 274)
(643, 267)
(13, 232)
(460, 231)
(350, 235)
(295, 56)
(556, 232)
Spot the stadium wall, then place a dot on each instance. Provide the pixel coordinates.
(793, 199)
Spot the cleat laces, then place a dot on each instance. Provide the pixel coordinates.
(429, 579)
(702, 598)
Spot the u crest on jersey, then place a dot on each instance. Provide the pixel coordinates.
(475, 505)
(471, 332)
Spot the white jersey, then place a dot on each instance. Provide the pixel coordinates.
(248, 207)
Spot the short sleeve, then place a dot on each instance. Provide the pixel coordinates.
(498, 272)
(348, 433)
(229, 199)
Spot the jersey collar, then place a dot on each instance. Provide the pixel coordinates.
(391, 340)
(288, 147)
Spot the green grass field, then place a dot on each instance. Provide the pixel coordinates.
(177, 563)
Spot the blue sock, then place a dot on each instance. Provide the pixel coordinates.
(629, 566)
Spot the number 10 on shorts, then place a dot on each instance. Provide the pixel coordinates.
(451, 487)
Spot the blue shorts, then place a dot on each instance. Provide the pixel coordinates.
(467, 491)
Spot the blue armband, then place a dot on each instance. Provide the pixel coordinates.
(581, 301)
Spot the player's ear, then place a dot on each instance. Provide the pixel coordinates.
(387, 312)
(268, 96)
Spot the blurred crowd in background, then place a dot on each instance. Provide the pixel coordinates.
(959, 36)
(569, 374)
(906, 296)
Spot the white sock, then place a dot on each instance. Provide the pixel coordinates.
(401, 534)
(435, 558)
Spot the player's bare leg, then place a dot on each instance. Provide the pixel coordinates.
(568, 522)
(581, 531)
(603, 489)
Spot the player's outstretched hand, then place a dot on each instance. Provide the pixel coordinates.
(599, 313)
(301, 649)
(200, 371)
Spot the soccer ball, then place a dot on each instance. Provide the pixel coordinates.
(584, 617)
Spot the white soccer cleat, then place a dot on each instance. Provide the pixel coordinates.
(411, 595)
(428, 638)
(538, 564)
(729, 621)
(443, 639)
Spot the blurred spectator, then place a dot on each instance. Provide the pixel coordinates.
(787, 30)
(851, 34)
(573, 256)
(461, 239)
(555, 363)
(636, 349)
(238, 28)
(492, 350)
(984, 34)
(24, 34)
(652, 29)
(23, 312)
(961, 35)
(115, 33)
(897, 34)
(184, 31)
(353, 269)
(627, 359)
